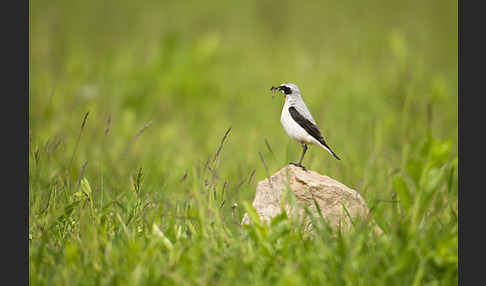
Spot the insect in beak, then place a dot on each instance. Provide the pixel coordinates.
(273, 89)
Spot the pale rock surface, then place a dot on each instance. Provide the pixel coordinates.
(328, 193)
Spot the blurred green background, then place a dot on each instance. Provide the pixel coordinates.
(164, 80)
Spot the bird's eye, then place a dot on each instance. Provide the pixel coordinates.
(286, 89)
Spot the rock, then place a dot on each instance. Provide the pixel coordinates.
(306, 185)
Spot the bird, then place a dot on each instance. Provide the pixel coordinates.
(298, 122)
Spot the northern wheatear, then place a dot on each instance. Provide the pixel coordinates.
(298, 122)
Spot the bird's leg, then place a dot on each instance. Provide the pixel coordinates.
(304, 149)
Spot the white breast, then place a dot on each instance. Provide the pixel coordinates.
(293, 129)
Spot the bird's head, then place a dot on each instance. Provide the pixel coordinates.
(287, 89)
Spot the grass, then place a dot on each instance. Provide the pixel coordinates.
(151, 123)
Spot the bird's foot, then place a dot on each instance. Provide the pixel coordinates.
(298, 165)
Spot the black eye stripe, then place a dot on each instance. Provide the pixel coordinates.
(286, 89)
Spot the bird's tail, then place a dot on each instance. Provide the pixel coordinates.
(330, 151)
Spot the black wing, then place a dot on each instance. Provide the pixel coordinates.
(310, 127)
